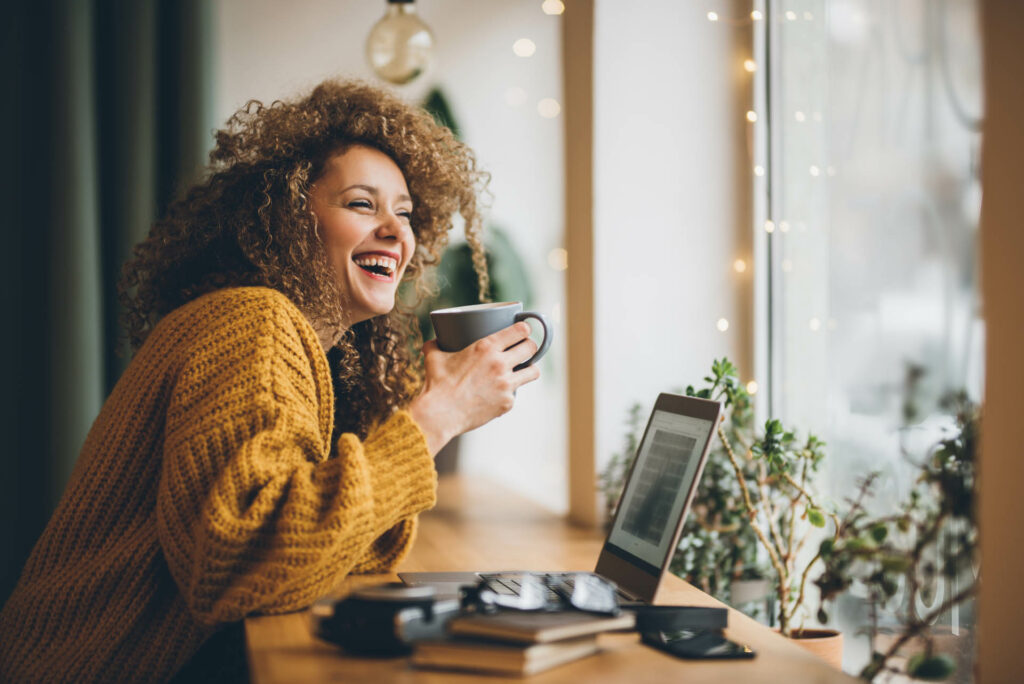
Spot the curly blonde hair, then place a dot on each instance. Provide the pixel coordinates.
(249, 222)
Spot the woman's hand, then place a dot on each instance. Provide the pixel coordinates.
(465, 389)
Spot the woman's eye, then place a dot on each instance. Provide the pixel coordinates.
(406, 214)
(360, 204)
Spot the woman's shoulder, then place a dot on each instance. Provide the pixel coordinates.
(236, 310)
(241, 300)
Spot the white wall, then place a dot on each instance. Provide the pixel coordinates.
(268, 49)
(665, 210)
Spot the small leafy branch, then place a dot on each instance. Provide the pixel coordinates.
(774, 474)
(932, 534)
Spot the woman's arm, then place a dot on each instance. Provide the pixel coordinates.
(251, 514)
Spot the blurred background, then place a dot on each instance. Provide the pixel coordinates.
(793, 186)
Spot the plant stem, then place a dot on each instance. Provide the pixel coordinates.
(807, 495)
(752, 512)
(772, 514)
(803, 581)
(914, 628)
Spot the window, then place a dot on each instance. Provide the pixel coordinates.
(872, 200)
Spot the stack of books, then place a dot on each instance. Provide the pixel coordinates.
(515, 642)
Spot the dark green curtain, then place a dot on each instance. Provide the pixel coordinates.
(106, 116)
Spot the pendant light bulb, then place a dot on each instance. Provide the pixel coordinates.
(399, 46)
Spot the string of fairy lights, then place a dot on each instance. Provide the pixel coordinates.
(749, 65)
(547, 107)
(771, 225)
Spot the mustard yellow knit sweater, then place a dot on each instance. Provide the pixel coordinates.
(208, 490)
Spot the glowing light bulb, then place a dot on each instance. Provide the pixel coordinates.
(756, 15)
(815, 171)
(814, 324)
(769, 226)
(800, 116)
(553, 7)
(558, 259)
(399, 46)
(739, 265)
(524, 47)
(758, 170)
(752, 387)
(712, 16)
(751, 116)
(750, 65)
(548, 108)
(722, 324)
(791, 15)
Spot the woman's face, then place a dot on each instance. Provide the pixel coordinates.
(362, 206)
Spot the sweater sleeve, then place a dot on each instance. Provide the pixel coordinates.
(252, 516)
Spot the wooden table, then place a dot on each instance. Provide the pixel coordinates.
(478, 526)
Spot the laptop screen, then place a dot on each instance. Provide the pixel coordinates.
(658, 487)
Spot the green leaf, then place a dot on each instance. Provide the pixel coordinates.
(822, 616)
(931, 668)
(879, 532)
(897, 564)
(856, 544)
(815, 517)
(826, 548)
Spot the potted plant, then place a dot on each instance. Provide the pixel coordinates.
(754, 501)
(931, 535)
(774, 472)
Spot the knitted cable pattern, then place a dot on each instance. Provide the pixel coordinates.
(208, 490)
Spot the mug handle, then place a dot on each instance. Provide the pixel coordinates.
(545, 343)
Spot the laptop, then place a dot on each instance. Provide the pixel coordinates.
(650, 514)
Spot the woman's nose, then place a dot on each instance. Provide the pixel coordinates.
(391, 226)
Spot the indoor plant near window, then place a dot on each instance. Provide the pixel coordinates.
(756, 493)
(900, 556)
(774, 472)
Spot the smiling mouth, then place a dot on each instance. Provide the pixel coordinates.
(377, 265)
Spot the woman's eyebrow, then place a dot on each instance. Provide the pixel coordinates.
(373, 191)
(359, 186)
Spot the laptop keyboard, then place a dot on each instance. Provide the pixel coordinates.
(559, 584)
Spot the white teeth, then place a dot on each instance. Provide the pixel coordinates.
(386, 263)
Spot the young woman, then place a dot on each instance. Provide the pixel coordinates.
(274, 431)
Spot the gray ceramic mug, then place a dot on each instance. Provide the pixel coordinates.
(461, 326)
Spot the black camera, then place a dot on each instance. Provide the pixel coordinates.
(384, 619)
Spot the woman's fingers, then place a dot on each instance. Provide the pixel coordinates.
(525, 375)
(507, 337)
(521, 352)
